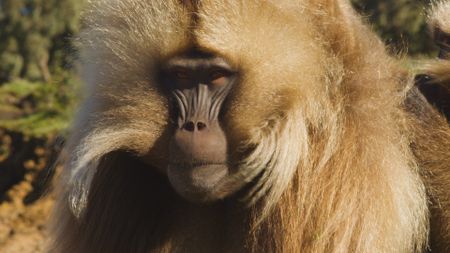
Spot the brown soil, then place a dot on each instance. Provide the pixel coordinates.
(25, 177)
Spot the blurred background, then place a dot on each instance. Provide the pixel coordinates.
(39, 91)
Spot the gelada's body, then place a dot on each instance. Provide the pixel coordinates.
(248, 126)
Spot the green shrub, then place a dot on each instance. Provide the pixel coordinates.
(37, 108)
(401, 23)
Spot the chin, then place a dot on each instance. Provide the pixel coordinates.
(201, 183)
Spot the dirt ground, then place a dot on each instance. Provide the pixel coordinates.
(22, 226)
(25, 198)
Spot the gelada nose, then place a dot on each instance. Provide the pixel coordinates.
(192, 126)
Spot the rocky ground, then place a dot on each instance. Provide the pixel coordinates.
(25, 191)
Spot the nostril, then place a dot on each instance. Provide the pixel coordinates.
(201, 126)
(189, 126)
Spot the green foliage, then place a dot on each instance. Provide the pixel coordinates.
(401, 23)
(35, 37)
(36, 108)
(37, 88)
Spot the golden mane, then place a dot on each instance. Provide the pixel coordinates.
(332, 156)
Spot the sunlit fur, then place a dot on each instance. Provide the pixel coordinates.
(438, 16)
(440, 71)
(319, 104)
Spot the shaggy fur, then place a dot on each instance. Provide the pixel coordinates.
(321, 125)
(439, 17)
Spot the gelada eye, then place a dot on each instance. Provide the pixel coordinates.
(219, 77)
